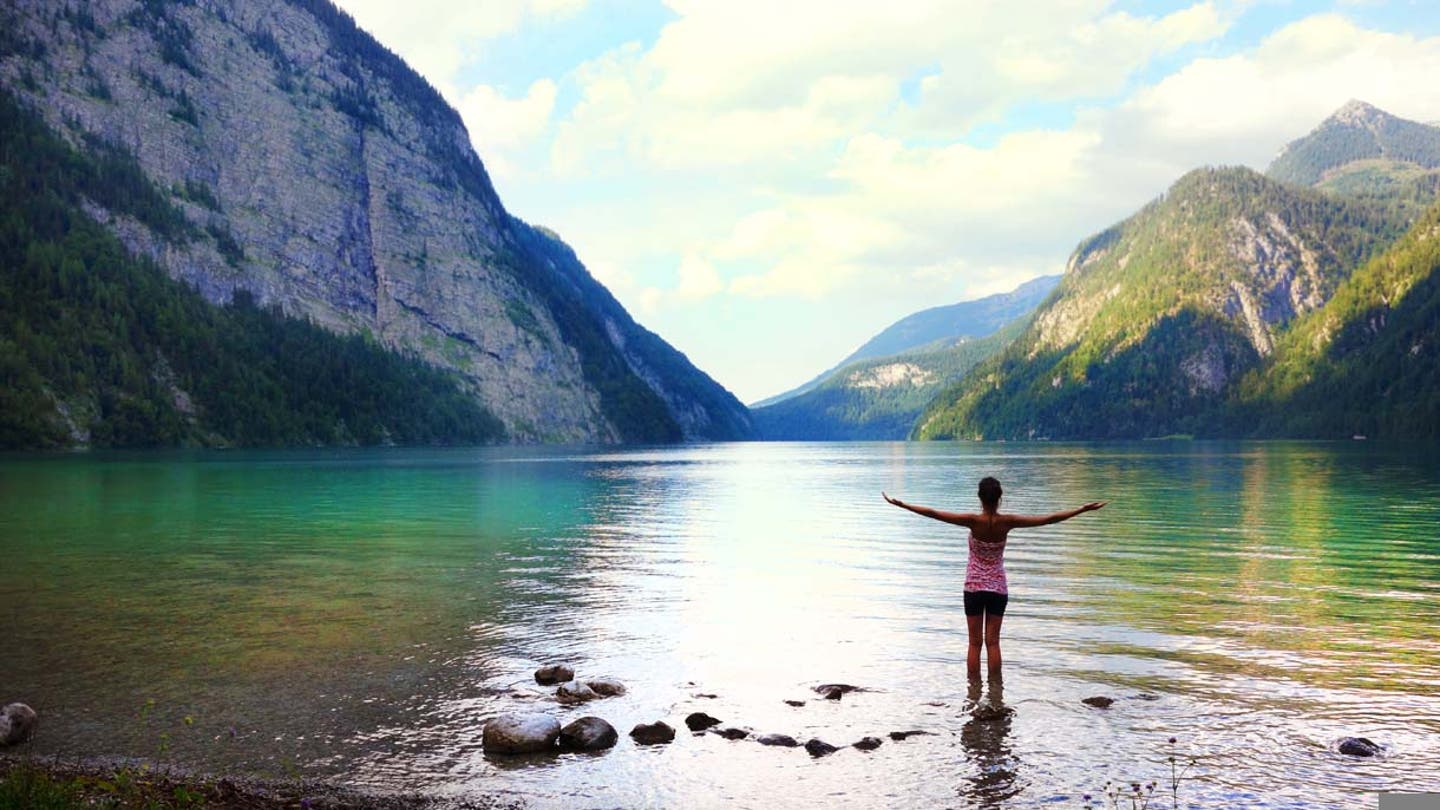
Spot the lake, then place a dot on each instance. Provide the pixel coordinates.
(358, 614)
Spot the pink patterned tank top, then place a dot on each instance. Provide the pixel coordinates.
(986, 569)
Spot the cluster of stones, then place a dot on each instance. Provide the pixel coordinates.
(531, 733)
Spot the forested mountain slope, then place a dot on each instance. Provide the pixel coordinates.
(1159, 317)
(312, 171)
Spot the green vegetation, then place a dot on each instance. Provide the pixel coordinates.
(1368, 362)
(1159, 336)
(95, 341)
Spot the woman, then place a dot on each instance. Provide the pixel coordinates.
(986, 592)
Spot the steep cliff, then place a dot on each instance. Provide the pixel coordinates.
(317, 172)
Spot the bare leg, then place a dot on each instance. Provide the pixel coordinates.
(992, 644)
(975, 625)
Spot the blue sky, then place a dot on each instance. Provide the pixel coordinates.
(768, 185)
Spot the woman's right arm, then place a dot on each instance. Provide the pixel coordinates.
(957, 518)
(1028, 521)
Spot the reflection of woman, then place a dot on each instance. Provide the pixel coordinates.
(986, 592)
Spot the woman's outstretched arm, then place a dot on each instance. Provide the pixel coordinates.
(957, 518)
(1027, 521)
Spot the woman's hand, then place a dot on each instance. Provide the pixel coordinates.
(1092, 506)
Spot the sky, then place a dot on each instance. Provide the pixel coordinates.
(768, 185)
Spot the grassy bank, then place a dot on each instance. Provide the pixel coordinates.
(47, 784)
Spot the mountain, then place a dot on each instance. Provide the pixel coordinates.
(1360, 149)
(1159, 317)
(878, 398)
(1368, 362)
(966, 320)
(298, 164)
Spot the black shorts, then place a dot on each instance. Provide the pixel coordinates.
(980, 602)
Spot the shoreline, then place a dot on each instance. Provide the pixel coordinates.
(52, 782)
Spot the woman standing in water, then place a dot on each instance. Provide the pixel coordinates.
(986, 592)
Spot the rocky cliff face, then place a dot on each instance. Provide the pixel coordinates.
(327, 178)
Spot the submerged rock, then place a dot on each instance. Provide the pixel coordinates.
(17, 723)
(986, 713)
(656, 733)
(782, 740)
(869, 743)
(551, 674)
(731, 733)
(572, 692)
(1099, 701)
(796, 703)
(844, 688)
(699, 721)
(704, 696)
(897, 736)
(520, 734)
(819, 748)
(1358, 747)
(588, 734)
(606, 687)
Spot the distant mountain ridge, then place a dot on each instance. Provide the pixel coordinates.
(1358, 139)
(967, 319)
(312, 170)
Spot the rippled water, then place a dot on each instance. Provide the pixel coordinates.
(360, 613)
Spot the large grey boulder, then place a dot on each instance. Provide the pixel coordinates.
(572, 692)
(551, 674)
(520, 734)
(17, 723)
(588, 734)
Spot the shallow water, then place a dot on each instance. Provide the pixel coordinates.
(360, 613)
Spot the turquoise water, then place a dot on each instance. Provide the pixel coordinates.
(359, 613)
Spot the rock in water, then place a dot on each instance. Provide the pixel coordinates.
(843, 688)
(572, 692)
(731, 733)
(1099, 701)
(986, 713)
(606, 687)
(869, 743)
(1356, 747)
(652, 733)
(699, 721)
(782, 740)
(551, 674)
(521, 734)
(795, 703)
(17, 723)
(819, 748)
(897, 736)
(588, 734)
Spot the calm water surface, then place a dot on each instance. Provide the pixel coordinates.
(359, 614)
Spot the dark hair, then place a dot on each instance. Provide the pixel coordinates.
(990, 492)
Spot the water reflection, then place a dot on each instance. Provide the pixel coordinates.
(360, 614)
(985, 735)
